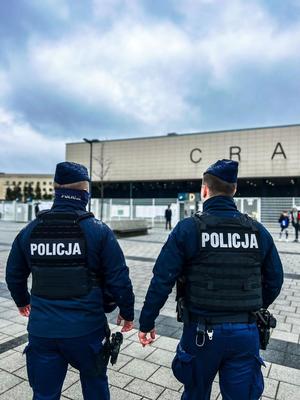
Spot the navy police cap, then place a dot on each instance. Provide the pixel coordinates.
(226, 170)
(70, 172)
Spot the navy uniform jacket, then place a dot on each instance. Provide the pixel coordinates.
(183, 245)
(72, 318)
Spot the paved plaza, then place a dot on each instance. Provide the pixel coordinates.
(144, 373)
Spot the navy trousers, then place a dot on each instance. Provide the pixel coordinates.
(233, 352)
(48, 360)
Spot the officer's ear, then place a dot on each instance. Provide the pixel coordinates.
(204, 191)
(235, 189)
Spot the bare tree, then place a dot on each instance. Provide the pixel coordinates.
(101, 173)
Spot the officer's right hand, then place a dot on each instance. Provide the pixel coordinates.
(127, 326)
(25, 311)
(144, 340)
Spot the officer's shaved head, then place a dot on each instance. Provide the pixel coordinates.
(217, 186)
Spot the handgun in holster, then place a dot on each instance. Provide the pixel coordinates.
(265, 321)
(109, 351)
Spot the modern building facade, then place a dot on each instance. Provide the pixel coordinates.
(163, 166)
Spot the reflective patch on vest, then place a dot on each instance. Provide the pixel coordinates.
(57, 248)
(231, 240)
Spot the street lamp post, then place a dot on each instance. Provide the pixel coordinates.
(91, 164)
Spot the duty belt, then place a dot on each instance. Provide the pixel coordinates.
(205, 325)
(242, 318)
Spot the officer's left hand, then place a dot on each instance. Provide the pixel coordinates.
(25, 311)
(127, 326)
(144, 340)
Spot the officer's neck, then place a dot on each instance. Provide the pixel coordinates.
(219, 203)
(71, 199)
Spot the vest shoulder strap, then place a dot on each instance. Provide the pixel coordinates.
(203, 220)
(76, 215)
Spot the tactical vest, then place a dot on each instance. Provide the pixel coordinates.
(226, 273)
(58, 256)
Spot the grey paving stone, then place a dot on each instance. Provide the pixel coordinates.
(283, 326)
(4, 323)
(74, 392)
(285, 336)
(291, 360)
(296, 329)
(215, 391)
(7, 381)
(265, 371)
(128, 335)
(21, 373)
(20, 348)
(12, 362)
(139, 369)
(293, 348)
(285, 374)
(14, 329)
(121, 394)
(147, 389)
(271, 386)
(20, 392)
(164, 375)
(273, 356)
(71, 378)
(122, 360)
(126, 343)
(165, 330)
(169, 394)
(118, 379)
(161, 357)
(287, 391)
(5, 338)
(7, 314)
(166, 343)
(136, 350)
(6, 353)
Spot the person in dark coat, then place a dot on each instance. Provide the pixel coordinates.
(226, 266)
(168, 217)
(78, 273)
(36, 209)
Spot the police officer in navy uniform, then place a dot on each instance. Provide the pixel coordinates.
(78, 273)
(228, 267)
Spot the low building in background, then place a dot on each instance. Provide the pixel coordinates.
(26, 187)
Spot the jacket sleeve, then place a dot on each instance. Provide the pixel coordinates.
(272, 272)
(116, 274)
(17, 272)
(167, 269)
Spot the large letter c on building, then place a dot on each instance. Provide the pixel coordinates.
(195, 155)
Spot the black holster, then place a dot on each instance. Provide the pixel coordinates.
(112, 346)
(264, 321)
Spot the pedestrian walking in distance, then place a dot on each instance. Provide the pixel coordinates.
(284, 222)
(168, 217)
(295, 218)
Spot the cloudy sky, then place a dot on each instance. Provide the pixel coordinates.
(125, 68)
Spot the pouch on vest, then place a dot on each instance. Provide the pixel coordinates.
(226, 273)
(58, 256)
